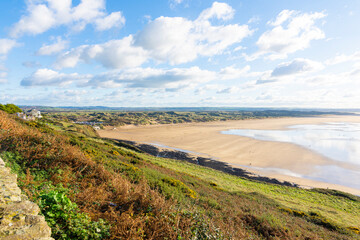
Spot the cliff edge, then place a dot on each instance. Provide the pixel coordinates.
(19, 217)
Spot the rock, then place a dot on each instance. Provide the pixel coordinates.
(19, 219)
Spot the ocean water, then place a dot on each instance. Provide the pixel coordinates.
(338, 141)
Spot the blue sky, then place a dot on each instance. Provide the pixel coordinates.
(180, 53)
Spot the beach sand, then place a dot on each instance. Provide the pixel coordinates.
(205, 139)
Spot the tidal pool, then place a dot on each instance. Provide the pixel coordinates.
(337, 141)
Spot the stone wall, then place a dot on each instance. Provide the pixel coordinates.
(19, 219)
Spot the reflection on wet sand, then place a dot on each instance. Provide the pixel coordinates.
(336, 141)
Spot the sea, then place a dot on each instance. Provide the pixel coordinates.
(338, 141)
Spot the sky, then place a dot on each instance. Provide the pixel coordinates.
(180, 53)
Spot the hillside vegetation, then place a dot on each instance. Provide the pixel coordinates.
(120, 118)
(91, 188)
(10, 108)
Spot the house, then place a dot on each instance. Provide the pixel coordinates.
(21, 115)
(33, 113)
(30, 115)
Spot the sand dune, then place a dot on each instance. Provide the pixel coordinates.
(206, 139)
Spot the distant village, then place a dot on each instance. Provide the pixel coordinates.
(34, 114)
(30, 115)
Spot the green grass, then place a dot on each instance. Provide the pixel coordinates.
(342, 211)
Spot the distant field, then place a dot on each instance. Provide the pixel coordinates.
(121, 118)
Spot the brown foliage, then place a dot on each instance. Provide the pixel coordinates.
(134, 210)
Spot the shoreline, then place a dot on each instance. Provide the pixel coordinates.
(205, 140)
(183, 155)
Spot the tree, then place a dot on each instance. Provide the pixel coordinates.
(10, 108)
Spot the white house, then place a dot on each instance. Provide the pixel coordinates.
(34, 113)
(30, 115)
(21, 115)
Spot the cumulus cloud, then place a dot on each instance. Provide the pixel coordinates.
(174, 40)
(175, 78)
(179, 40)
(51, 49)
(43, 15)
(48, 77)
(115, 19)
(292, 31)
(6, 45)
(152, 78)
(116, 54)
(298, 65)
(219, 11)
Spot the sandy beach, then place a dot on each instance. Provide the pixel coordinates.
(205, 139)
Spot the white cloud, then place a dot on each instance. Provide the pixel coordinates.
(344, 58)
(152, 78)
(115, 19)
(89, 10)
(254, 19)
(264, 97)
(219, 11)
(116, 54)
(296, 66)
(48, 77)
(43, 15)
(166, 39)
(175, 78)
(292, 31)
(39, 20)
(236, 73)
(179, 40)
(51, 49)
(6, 45)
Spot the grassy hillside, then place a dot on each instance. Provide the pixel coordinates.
(90, 188)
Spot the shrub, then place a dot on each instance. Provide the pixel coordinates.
(10, 108)
(176, 183)
(66, 221)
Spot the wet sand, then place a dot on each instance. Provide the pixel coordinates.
(205, 139)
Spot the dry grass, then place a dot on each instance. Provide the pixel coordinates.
(134, 210)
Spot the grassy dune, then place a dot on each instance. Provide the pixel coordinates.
(118, 192)
(120, 118)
